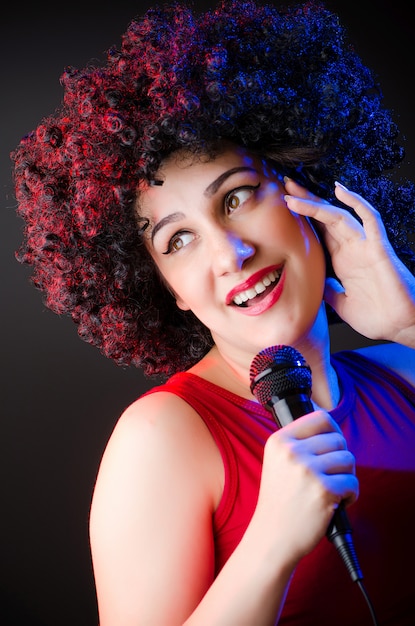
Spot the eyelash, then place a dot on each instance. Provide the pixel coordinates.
(172, 240)
(232, 192)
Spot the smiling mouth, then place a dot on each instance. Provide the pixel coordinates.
(261, 288)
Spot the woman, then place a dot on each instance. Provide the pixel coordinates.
(183, 207)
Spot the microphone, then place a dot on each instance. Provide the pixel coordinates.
(281, 382)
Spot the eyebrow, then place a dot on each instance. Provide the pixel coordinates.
(173, 217)
(214, 186)
(209, 191)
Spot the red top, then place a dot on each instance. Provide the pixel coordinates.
(377, 416)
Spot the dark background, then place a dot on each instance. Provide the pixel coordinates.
(59, 397)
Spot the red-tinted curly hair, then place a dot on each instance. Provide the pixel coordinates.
(282, 82)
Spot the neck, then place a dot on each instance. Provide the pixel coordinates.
(232, 373)
(315, 348)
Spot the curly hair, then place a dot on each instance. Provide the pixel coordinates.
(282, 82)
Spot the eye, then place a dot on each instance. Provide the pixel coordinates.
(237, 197)
(178, 241)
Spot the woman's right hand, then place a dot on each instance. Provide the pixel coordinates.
(307, 472)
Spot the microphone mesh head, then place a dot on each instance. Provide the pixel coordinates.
(279, 371)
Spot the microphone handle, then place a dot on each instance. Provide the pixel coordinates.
(339, 531)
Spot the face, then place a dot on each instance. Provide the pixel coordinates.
(230, 250)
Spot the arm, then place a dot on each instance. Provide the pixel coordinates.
(375, 293)
(151, 537)
(150, 522)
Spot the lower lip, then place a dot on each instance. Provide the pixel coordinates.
(267, 302)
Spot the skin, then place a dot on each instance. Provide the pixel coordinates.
(216, 250)
(161, 476)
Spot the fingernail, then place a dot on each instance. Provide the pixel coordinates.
(337, 184)
(287, 179)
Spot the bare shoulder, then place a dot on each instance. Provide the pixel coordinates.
(158, 414)
(160, 430)
(159, 482)
(396, 357)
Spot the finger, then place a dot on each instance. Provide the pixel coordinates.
(363, 209)
(338, 223)
(336, 462)
(295, 189)
(327, 444)
(345, 486)
(316, 423)
(334, 295)
(319, 445)
(298, 192)
(370, 217)
(367, 213)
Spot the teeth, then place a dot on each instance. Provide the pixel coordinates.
(261, 285)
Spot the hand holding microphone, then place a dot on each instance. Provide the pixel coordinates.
(281, 381)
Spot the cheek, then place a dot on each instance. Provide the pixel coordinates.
(309, 237)
(315, 271)
(305, 249)
(288, 231)
(169, 279)
(313, 249)
(184, 285)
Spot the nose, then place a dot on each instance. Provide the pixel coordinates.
(230, 252)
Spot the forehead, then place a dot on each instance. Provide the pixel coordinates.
(185, 179)
(191, 167)
(184, 173)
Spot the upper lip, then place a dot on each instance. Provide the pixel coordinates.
(250, 282)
